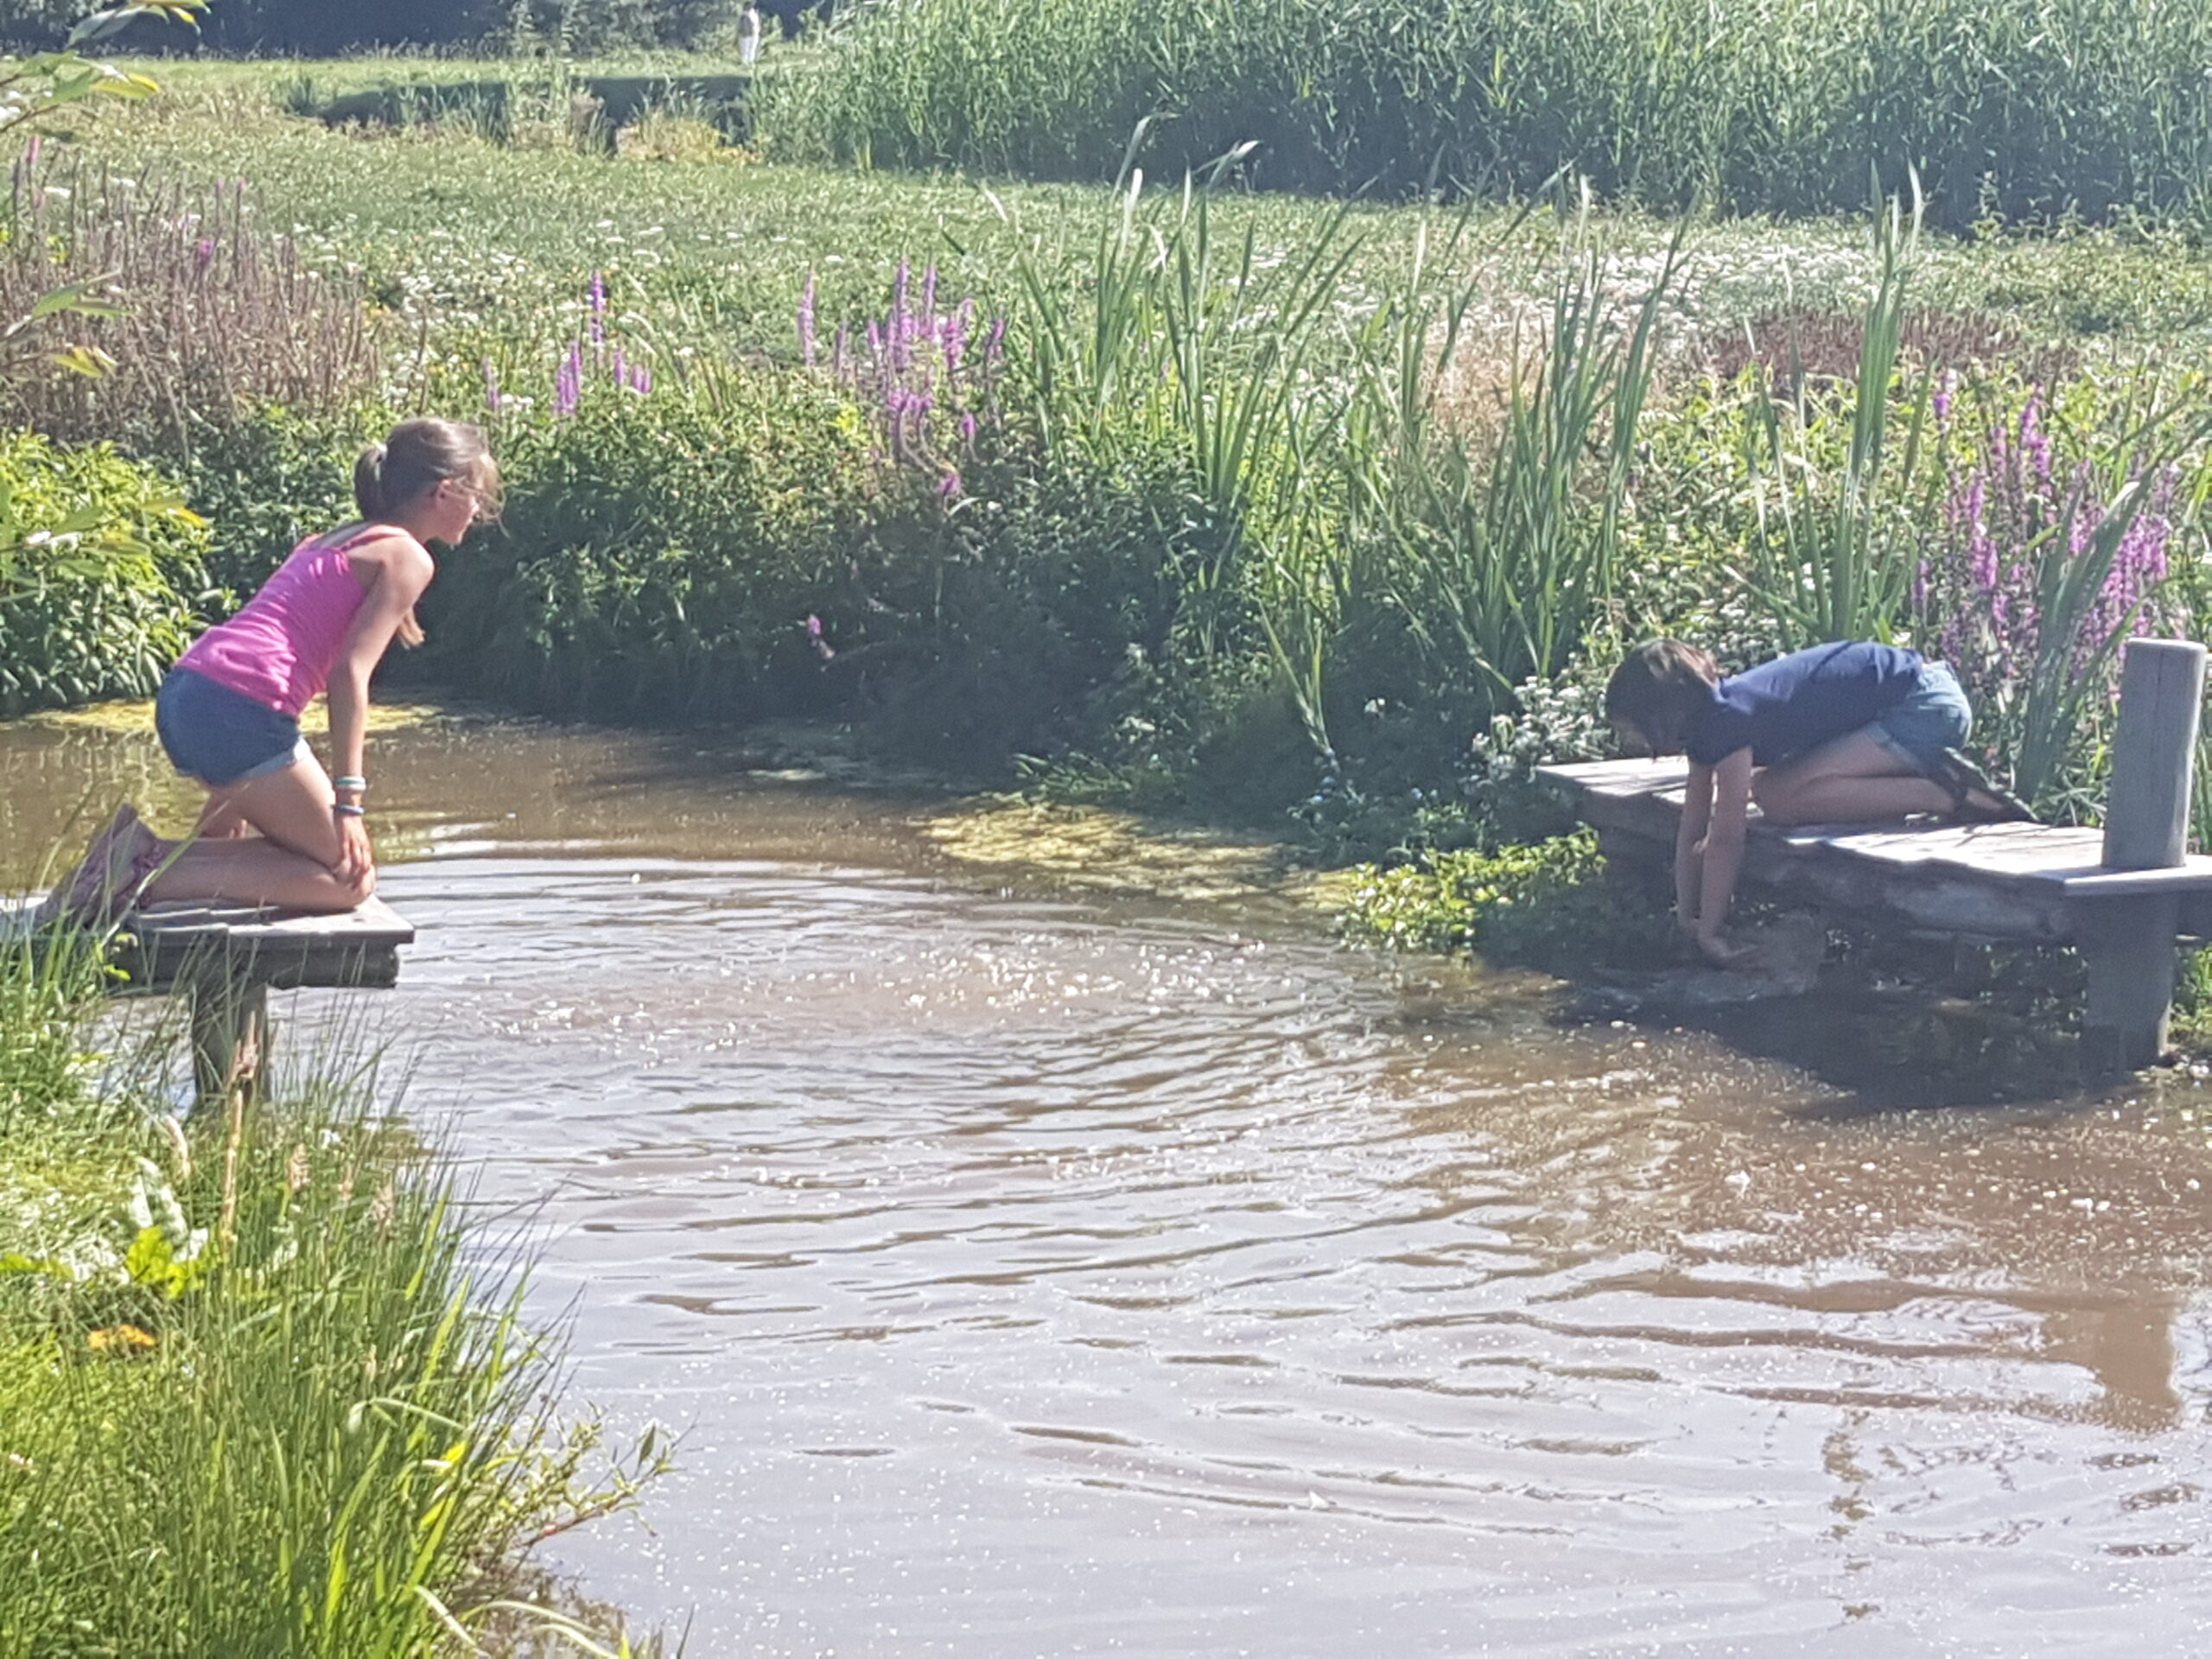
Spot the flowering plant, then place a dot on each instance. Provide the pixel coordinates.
(2051, 548)
(924, 372)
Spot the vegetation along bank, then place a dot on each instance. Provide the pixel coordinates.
(1327, 515)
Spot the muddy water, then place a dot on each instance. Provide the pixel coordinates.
(1044, 1271)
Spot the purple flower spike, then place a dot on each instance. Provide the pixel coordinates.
(806, 322)
(492, 399)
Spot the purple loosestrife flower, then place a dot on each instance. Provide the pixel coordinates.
(806, 322)
(823, 648)
(492, 399)
(598, 311)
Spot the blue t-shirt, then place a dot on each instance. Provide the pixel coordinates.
(1780, 710)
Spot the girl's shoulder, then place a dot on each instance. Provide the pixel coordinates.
(375, 544)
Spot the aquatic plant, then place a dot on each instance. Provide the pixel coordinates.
(2019, 108)
(595, 357)
(1833, 556)
(323, 1429)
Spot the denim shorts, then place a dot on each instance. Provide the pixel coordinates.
(220, 736)
(1932, 718)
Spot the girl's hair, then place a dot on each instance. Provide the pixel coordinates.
(1658, 691)
(418, 456)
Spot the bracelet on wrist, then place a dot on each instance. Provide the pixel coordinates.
(345, 810)
(357, 786)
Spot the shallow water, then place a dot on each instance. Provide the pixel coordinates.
(1045, 1273)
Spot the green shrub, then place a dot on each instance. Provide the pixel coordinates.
(1551, 905)
(98, 598)
(659, 556)
(1039, 614)
(266, 484)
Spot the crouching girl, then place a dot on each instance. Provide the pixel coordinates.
(1850, 732)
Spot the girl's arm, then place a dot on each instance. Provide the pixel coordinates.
(1723, 854)
(398, 570)
(1689, 847)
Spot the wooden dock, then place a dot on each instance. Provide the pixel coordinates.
(226, 959)
(2123, 895)
(1996, 883)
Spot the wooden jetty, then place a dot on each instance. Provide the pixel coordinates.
(2123, 895)
(227, 960)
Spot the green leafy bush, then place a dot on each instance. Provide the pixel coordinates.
(100, 583)
(659, 556)
(267, 483)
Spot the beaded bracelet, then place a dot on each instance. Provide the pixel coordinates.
(345, 810)
(353, 786)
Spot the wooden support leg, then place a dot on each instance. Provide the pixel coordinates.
(230, 1040)
(2129, 944)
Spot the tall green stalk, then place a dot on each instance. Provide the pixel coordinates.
(1502, 548)
(1834, 559)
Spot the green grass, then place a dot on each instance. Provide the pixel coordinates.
(265, 1384)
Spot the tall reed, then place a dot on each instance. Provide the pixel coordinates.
(2027, 108)
(1503, 543)
(1835, 557)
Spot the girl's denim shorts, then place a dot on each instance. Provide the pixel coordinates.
(1932, 718)
(220, 736)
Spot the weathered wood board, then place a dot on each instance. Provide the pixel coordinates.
(161, 944)
(2022, 882)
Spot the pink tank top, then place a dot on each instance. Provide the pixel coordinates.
(278, 650)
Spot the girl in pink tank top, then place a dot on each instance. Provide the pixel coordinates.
(277, 830)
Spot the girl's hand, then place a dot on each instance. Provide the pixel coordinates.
(355, 857)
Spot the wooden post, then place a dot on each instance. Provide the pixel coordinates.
(2129, 940)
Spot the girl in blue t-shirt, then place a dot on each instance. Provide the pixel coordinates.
(1851, 733)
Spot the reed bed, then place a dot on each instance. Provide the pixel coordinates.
(2021, 109)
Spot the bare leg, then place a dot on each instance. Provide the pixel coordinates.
(220, 820)
(289, 864)
(1852, 779)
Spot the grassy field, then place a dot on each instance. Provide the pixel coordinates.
(482, 241)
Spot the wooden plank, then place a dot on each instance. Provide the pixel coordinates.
(164, 945)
